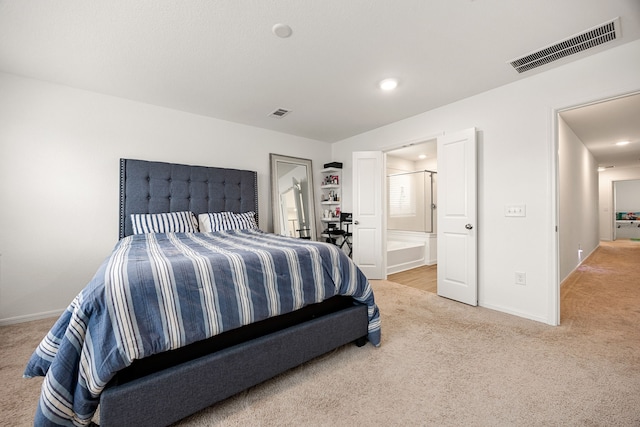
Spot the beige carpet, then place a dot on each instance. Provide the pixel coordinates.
(441, 363)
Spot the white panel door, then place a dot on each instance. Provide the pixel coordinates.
(457, 217)
(368, 213)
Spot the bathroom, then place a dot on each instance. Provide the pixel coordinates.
(411, 207)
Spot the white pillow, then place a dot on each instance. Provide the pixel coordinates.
(220, 221)
(170, 222)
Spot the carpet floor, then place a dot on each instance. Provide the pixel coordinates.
(441, 363)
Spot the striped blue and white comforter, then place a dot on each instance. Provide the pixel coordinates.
(158, 292)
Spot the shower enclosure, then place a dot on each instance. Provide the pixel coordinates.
(411, 201)
(411, 220)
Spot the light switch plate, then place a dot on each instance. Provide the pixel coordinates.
(515, 210)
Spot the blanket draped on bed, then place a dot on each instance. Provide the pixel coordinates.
(158, 292)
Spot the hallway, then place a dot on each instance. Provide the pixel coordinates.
(605, 286)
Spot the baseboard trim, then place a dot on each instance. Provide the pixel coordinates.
(578, 266)
(30, 317)
(514, 312)
(398, 268)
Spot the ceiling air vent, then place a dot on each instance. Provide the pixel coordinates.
(587, 39)
(280, 113)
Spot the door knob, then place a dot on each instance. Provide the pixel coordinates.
(356, 222)
(468, 226)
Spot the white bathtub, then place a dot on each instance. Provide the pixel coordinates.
(407, 250)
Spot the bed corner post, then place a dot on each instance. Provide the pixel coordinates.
(255, 186)
(122, 190)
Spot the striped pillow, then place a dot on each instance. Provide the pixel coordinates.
(170, 222)
(220, 221)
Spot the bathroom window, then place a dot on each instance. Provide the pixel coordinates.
(401, 199)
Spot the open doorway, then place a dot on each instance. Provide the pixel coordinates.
(411, 186)
(457, 238)
(590, 161)
(626, 208)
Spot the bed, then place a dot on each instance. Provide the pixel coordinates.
(176, 321)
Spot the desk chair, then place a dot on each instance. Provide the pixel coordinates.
(333, 233)
(346, 220)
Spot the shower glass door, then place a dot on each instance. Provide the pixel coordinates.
(411, 201)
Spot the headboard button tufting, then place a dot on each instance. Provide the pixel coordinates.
(223, 189)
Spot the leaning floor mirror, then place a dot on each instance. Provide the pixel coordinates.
(292, 197)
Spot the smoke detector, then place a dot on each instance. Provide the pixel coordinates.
(592, 37)
(282, 30)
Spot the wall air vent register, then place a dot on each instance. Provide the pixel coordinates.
(592, 37)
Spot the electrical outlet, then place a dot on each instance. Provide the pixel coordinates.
(521, 278)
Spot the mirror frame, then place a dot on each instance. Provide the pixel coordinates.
(276, 160)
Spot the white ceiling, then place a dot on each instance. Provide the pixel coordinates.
(220, 58)
(601, 125)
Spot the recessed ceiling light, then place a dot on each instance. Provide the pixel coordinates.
(282, 30)
(422, 156)
(389, 84)
(622, 143)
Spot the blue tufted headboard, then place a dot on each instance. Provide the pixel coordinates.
(156, 187)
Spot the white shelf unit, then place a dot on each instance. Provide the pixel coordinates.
(330, 197)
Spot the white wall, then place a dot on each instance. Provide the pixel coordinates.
(627, 196)
(515, 155)
(607, 208)
(578, 200)
(59, 159)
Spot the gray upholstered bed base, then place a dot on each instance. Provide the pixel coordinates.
(175, 393)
